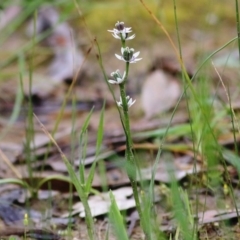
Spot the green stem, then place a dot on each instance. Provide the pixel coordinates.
(188, 109)
(238, 26)
(89, 218)
(131, 164)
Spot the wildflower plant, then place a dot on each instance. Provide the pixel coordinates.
(128, 56)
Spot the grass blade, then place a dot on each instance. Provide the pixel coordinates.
(98, 148)
(117, 220)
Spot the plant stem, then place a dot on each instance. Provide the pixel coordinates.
(238, 26)
(195, 226)
(131, 164)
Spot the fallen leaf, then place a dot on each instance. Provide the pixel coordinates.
(99, 204)
(216, 215)
(160, 92)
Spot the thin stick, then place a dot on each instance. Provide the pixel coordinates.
(235, 141)
(228, 97)
(10, 165)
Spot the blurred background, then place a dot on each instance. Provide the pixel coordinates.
(46, 44)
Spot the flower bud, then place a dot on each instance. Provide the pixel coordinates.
(116, 74)
(128, 54)
(118, 78)
(120, 26)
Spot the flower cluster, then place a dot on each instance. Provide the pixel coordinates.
(117, 77)
(130, 102)
(121, 32)
(128, 55)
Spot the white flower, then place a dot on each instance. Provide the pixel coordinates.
(124, 36)
(117, 77)
(130, 102)
(128, 55)
(121, 31)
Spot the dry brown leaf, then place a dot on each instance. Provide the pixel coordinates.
(160, 92)
(216, 215)
(99, 204)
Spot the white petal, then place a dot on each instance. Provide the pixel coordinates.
(136, 54)
(116, 36)
(119, 104)
(128, 29)
(113, 31)
(112, 81)
(131, 37)
(131, 102)
(122, 50)
(119, 57)
(119, 80)
(134, 60)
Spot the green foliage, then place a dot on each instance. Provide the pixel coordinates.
(12, 238)
(117, 220)
(83, 147)
(98, 148)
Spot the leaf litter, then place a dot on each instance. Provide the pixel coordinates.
(49, 85)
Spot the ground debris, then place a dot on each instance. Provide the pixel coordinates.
(34, 233)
